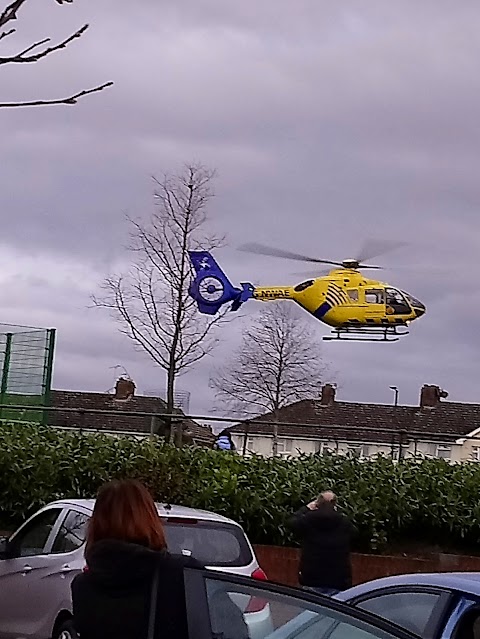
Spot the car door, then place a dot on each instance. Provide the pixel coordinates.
(295, 614)
(416, 608)
(462, 620)
(67, 555)
(24, 569)
(374, 304)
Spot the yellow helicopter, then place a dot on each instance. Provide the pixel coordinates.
(357, 308)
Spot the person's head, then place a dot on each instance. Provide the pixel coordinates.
(327, 500)
(124, 510)
(225, 433)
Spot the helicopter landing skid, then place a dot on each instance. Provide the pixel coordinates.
(366, 334)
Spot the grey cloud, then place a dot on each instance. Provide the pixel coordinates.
(328, 122)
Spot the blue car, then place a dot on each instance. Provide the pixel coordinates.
(433, 606)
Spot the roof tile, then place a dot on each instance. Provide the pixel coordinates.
(369, 423)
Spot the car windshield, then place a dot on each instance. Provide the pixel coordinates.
(212, 543)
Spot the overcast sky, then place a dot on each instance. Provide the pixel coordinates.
(328, 123)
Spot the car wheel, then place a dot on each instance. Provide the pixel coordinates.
(66, 631)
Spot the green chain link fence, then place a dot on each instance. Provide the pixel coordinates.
(26, 365)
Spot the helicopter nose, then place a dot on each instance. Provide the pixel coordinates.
(419, 309)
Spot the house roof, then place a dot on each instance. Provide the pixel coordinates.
(369, 423)
(115, 422)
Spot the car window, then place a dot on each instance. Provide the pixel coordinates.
(210, 542)
(468, 625)
(412, 610)
(476, 627)
(240, 611)
(31, 539)
(72, 532)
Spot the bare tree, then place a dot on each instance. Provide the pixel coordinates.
(279, 362)
(37, 51)
(151, 301)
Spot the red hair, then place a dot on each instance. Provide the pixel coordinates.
(125, 510)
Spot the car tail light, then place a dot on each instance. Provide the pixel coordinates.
(259, 574)
(85, 569)
(256, 604)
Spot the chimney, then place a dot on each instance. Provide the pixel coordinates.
(431, 395)
(327, 397)
(124, 388)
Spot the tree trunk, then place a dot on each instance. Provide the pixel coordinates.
(170, 432)
(275, 434)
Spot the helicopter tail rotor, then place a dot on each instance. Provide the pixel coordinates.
(211, 288)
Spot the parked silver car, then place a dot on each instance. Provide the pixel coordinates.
(39, 561)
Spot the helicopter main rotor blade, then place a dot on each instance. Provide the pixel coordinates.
(375, 248)
(309, 275)
(370, 266)
(321, 272)
(260, 249)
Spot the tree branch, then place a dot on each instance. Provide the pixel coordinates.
(5, 34)
(22, 57)
(151, 303)
(69, 101)
(279, 362)
(10, 12)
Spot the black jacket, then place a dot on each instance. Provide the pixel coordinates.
(326, 536)
(112, 599)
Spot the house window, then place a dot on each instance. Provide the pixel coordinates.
(320, 448)
(284, 446)
(395, 452)
(443, 452)
(251, 444)
(358, 450)
(476, 453)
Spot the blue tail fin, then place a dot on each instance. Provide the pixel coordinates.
(211, 288)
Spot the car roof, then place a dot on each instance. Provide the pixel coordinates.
(467, 582)
(164, 510)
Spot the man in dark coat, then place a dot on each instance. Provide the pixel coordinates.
(326, 536)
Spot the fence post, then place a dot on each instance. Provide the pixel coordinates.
(5, 370)
(153, 426)
(48, 372)
(81, 424)
(401, 439)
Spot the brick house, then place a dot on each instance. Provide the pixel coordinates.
(434, 428)
(136, 422)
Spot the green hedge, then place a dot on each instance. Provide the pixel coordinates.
(429, 501)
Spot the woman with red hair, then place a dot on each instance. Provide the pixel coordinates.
(126, 555)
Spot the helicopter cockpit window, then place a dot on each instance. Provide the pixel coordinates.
(374, 296)
(413, 300)
(397, 301)
(353, 294)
